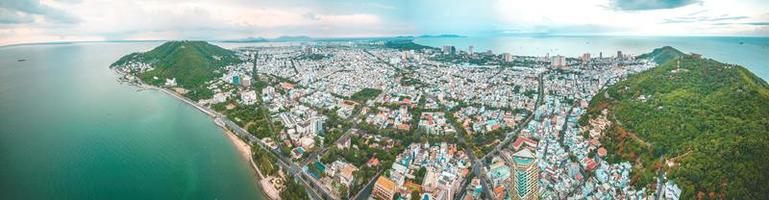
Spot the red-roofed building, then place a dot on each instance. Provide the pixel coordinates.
(589, 163)
(373, 162)
(287, 86)
(499, 192)
(602, 152)
(524, 140)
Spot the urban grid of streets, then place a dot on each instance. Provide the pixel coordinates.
(474, 115)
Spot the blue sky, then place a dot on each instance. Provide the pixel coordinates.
(24, 21)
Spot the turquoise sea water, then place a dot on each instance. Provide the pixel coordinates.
(751, 52)
(69, 130)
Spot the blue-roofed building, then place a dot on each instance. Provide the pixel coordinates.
(320, 166)
(236, 80)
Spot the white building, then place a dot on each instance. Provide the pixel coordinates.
(248, 97)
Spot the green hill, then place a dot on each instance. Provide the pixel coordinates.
(711, 118)
(662, 55)
(192, 63)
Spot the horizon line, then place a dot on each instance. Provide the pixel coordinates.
(416, 36)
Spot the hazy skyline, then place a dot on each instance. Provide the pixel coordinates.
(27, 21)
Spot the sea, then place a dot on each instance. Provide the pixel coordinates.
(750, 52)
(70, 130)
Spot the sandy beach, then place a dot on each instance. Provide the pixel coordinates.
(243, 148)
(245, 151)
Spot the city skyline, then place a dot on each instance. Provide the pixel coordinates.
(31, 21)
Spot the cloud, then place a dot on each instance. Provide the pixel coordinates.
(21, 11)
(745, 23)
(650, 4)
(701, 19)
(14, 17)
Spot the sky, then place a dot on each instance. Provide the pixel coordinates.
(33, 21)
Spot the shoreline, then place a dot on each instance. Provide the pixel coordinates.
(241, 146)
(245, 152)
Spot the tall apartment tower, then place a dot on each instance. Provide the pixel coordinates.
(525, 184)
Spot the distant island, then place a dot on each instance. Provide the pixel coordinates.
(432, 36)
(703, 122)
(277, 39)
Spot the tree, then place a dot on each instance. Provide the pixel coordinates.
(415, 195)
(420, 175)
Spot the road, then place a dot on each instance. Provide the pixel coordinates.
(221, 120)
(509, 137)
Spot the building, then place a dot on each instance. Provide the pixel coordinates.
(585, 57)
(308, 50)
(619, 54)
(317, 127)
(248, 97)
(384, 189)
(558, 61)
(448, 49)
(671, 191)
(508, 57)
(520, 141)
(470, 49)
(236, 80)
(245, 81)
(525, 184)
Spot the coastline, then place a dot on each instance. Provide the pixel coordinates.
(245, 152)
(241, 146)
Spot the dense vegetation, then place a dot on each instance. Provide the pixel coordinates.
(265, 161)
(365, 94)
(192, 63)
(405, 45)
(662, 55)
(293, 191)
(711, 119)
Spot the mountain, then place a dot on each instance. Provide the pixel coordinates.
(291, 39)
(404, 45)
(442, 36)
(192, 63)
(709, 120)
(662, 55)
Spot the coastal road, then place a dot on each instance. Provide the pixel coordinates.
(225, 122)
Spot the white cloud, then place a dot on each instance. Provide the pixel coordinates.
(230, 19)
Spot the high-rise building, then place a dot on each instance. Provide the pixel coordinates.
(619, 54)
(525, 184)
(470, 49)
(308, 50)
(384, 189)
(508, 57)
(585, 57)
(558, 61)
(449, 49)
